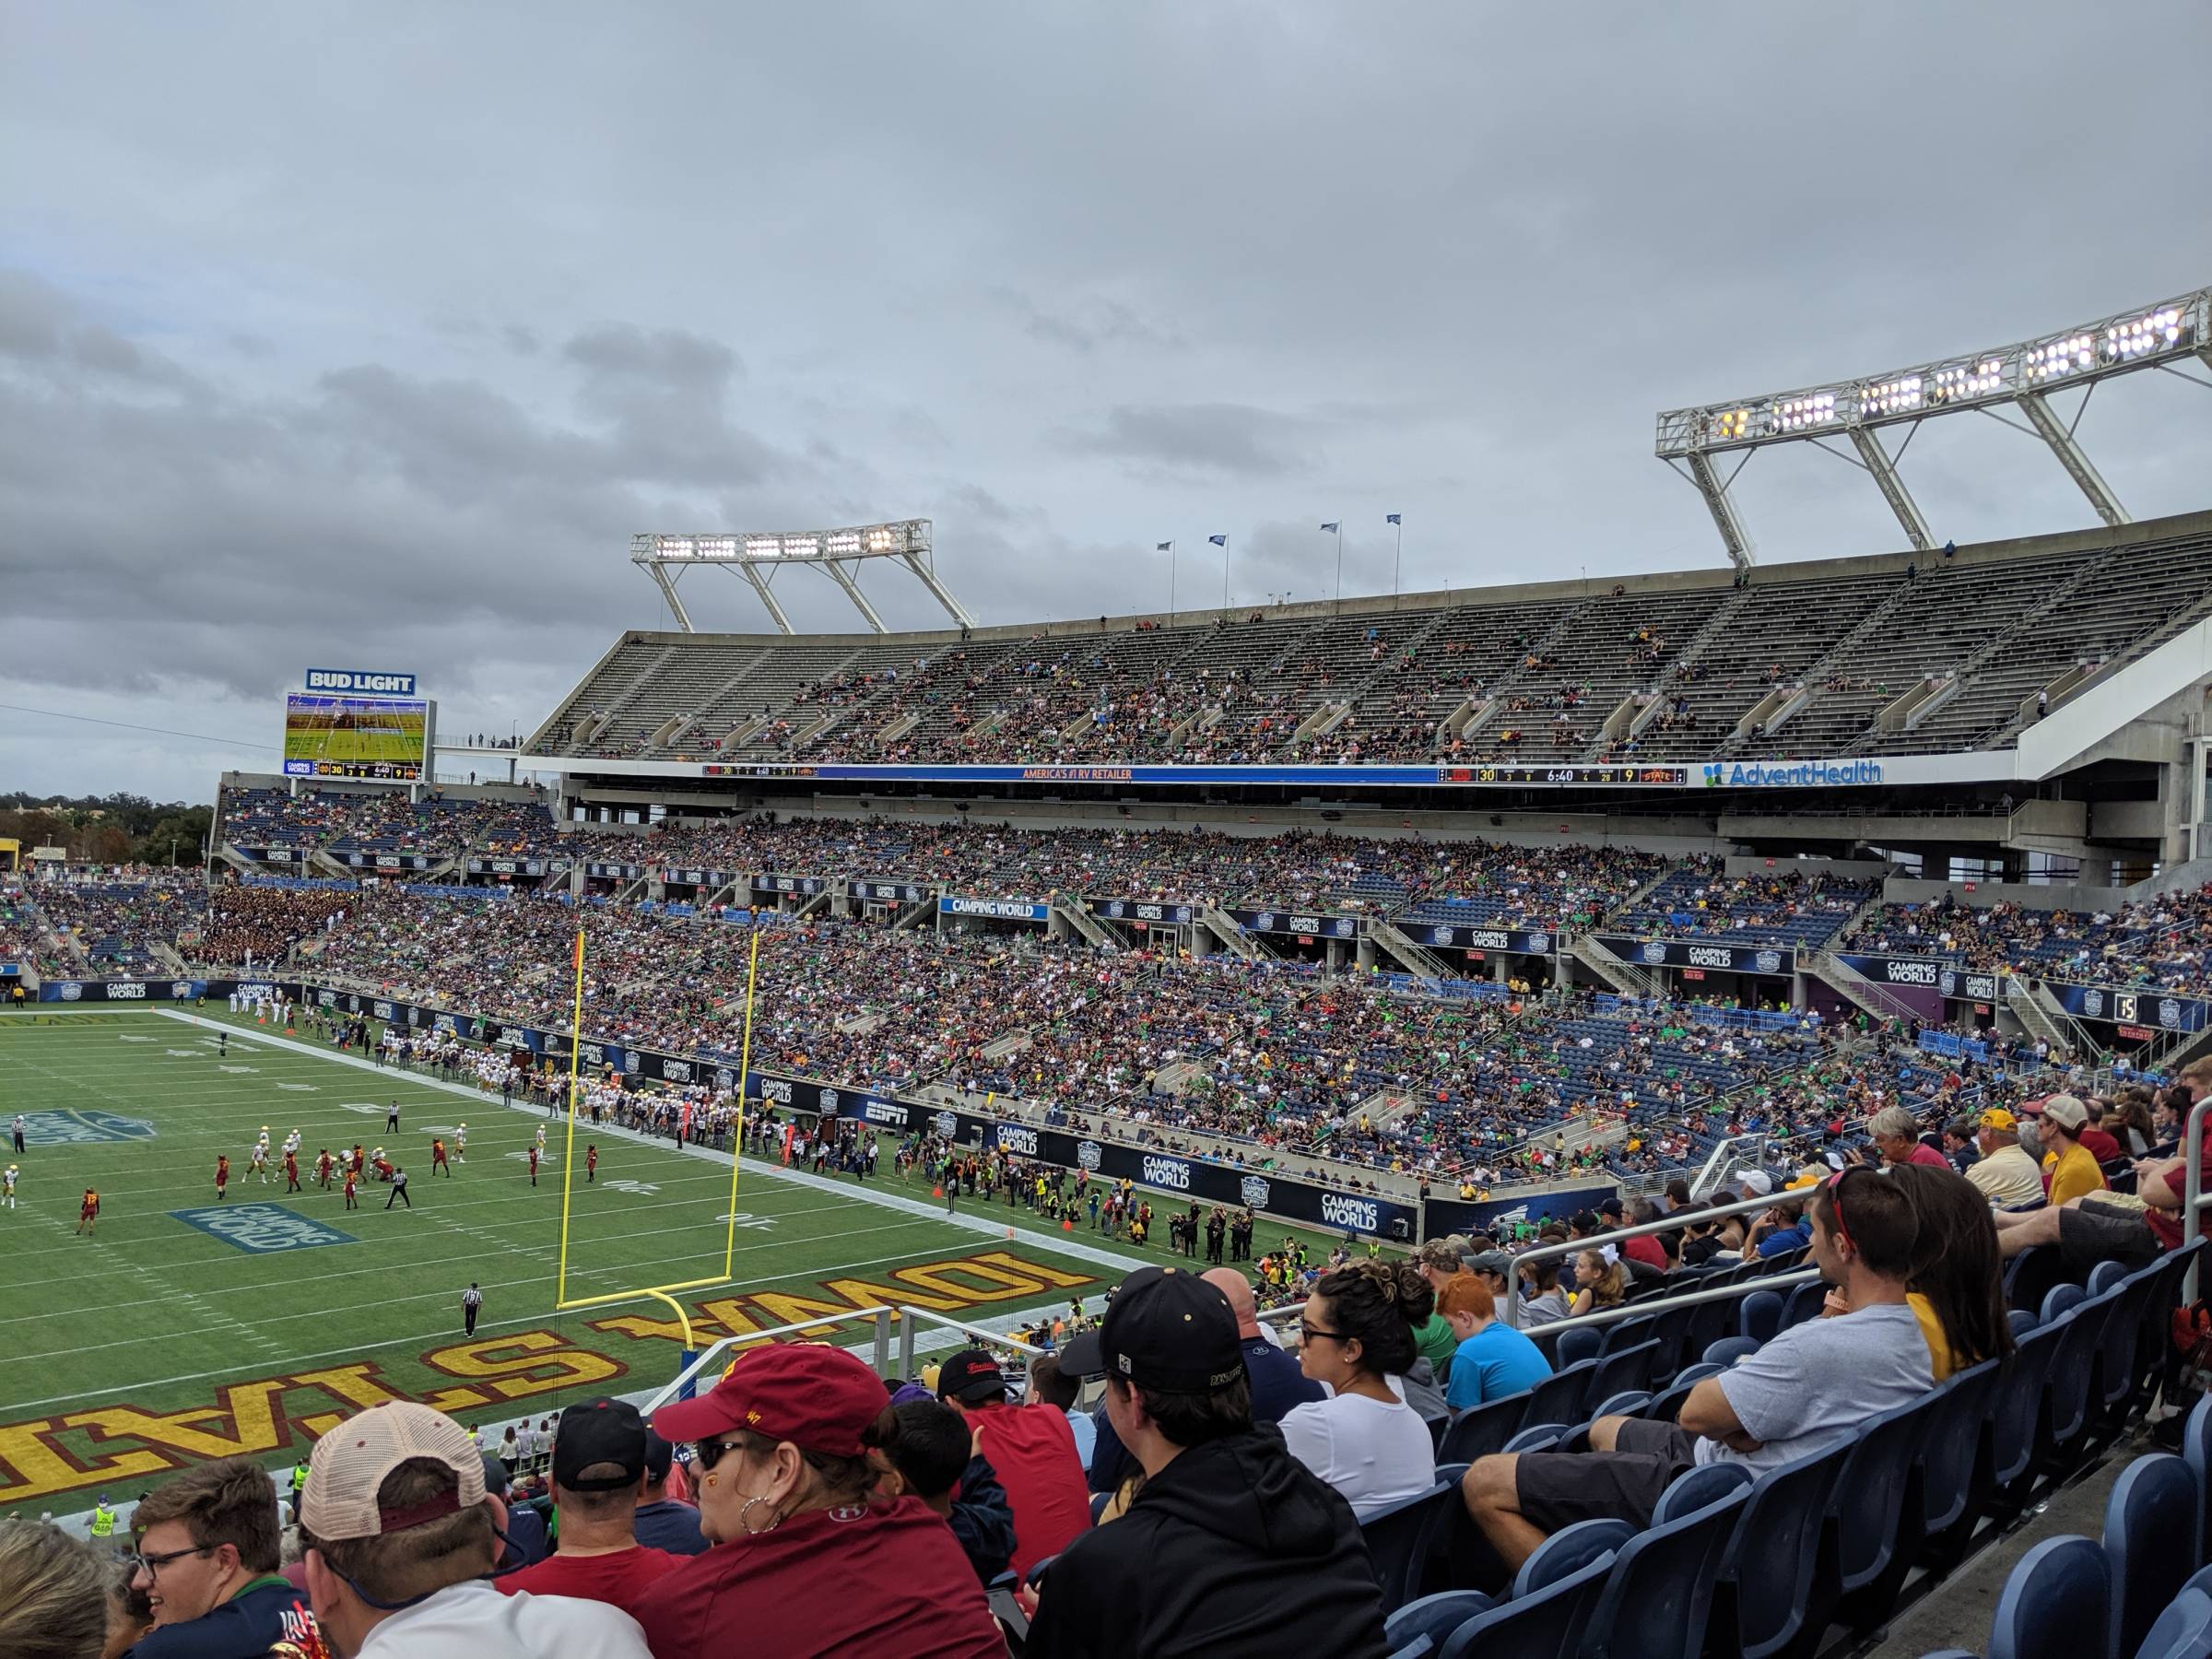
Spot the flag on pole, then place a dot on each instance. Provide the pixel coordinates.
(1392, 518)
(1218, 541)
(1326, 529)
(1164, 547)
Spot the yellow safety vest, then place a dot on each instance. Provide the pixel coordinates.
(103, 1521)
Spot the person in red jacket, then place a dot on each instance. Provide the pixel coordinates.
(1031, 1448)
(804, 1558)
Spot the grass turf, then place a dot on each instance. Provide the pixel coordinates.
(154, 1342)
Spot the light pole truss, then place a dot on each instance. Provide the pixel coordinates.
(2164, 335)
(759, 555)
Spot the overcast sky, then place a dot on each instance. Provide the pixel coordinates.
(365, 335)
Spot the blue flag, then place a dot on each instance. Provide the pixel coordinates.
(1391, 518)
(1327, 527)
(1164, 546)
(1218, 541)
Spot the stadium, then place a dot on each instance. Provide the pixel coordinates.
(1512, 990)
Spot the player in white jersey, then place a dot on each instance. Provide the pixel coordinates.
(257, 1163)
(291, 1143)
(541, 1138)
(460, 1144)
(7, 1186)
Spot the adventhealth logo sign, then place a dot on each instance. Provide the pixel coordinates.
(1791, 774)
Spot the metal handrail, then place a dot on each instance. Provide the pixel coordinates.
(2193, 1199)
(1665, 1224)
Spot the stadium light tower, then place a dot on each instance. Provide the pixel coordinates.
(2163, 337)
(757, 554)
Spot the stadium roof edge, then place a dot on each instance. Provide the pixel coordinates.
(2091, 539)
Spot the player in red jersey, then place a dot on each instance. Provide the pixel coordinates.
(534, 1166)
(87, 1213)
(222, 1177)
(591, 1163)
(352, 1178)
(323, 1165)
(438, 1161)
(291, 1171)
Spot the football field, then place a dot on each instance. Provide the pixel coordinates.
(183, 1327)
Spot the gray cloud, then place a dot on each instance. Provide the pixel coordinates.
(284, 377)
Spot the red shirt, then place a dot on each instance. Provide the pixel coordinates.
(2102, 1146)
(619, 1578)
(1924, 1153)
(876, 1578)
(1033, 1451)
(1646, 1249)
(2166, 1224)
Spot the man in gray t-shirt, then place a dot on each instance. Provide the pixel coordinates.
(1810, 1383)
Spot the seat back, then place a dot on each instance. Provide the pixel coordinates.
(2117, 1373)
(2150, 1539)
(2074, 1367)
(2182, 1632)
(1549, 1621)
(1877, 1512)
(2196, 1451)
(2021, 1321)
(1430, 1619)
(1729, 1350)
(1484, 1428)
(1578, 1343)
(1558, 1399)
(2061, 1299)
(1631, 1404)
(1622, 1371)
(1947, 1461)
(2019, 1399)
(1804, 1303)
(1772, 1559)
(1659, 1594)
(1627, 1333)
(1395, 1536)
(2105, 1275)
(1694, 1488)
(1568, 1551)
(2055, 1604)
(1760, 1316)
(1709, 1322)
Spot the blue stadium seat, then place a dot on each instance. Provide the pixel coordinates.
(1709, 1322)
(2184, 1630)
(2019, 1405)
(2061, 1299)
(2196, 1451)
(1659, 1593)
(2021, 1321)
(1631, 1404)
(1544, 1624)
(1773, 1563)
(1430, 1619)
(1953, 1471)
(1877, 1508)
(1760, 1316)
(1729, 1350)
(2151, 1523)
(1576, 1343)
(1099, 1500)
(2113, 1392)
(1568, 1551)
(1558, 1399)
(1484, 1428)
(1667, 1405)
(1629, 1332)
(1804, 1303)
(2104, 1275)
(2065, 1430)
(1538, 1437)
(1420, 1647)
(1694, 1488)
(1624, 1369)
(2058, 1593)
(1396, 1536)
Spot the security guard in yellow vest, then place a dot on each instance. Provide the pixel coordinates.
(103, 1525)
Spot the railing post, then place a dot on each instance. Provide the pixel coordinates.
(883, 1339)
(2193, 1191)
(906, 1348)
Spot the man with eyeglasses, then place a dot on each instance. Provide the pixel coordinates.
(206, 1562)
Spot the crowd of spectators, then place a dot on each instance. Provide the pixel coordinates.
(2156, 942)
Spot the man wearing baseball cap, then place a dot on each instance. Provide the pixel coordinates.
(805, 1557)
(2071, 1167)
(662, 1521)
(2004, 1175)
(1031, 1448)
(1229, 1545)
(399, 1535)
(598, 1474)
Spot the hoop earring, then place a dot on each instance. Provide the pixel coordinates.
(746, 1508)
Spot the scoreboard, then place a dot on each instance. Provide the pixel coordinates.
(1667, 777)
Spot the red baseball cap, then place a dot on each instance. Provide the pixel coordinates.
(819, 1398)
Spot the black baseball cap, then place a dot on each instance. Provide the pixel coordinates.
(599, 1431)
(1165, 1329)
(659, 1455)
(971, 1377)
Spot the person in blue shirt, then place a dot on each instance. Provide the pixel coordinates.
(1781, 1231)
(1492, 1360)
(661, 1521)
(205, 1560)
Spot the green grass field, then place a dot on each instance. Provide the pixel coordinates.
(395, 737)
(155, 1341)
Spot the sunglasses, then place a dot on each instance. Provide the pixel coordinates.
(708, 1451)
(1309, 1332)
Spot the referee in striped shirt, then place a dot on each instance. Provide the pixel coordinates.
(472, 1302)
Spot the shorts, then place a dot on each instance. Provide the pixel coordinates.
(2102, 1228)
(1555, 1489)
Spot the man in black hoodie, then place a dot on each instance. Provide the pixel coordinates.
(1230, 1541)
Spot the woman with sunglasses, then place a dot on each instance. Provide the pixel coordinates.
(1356, 1339)
(802, 1559)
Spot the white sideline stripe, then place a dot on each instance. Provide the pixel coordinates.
(1065, 1245)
